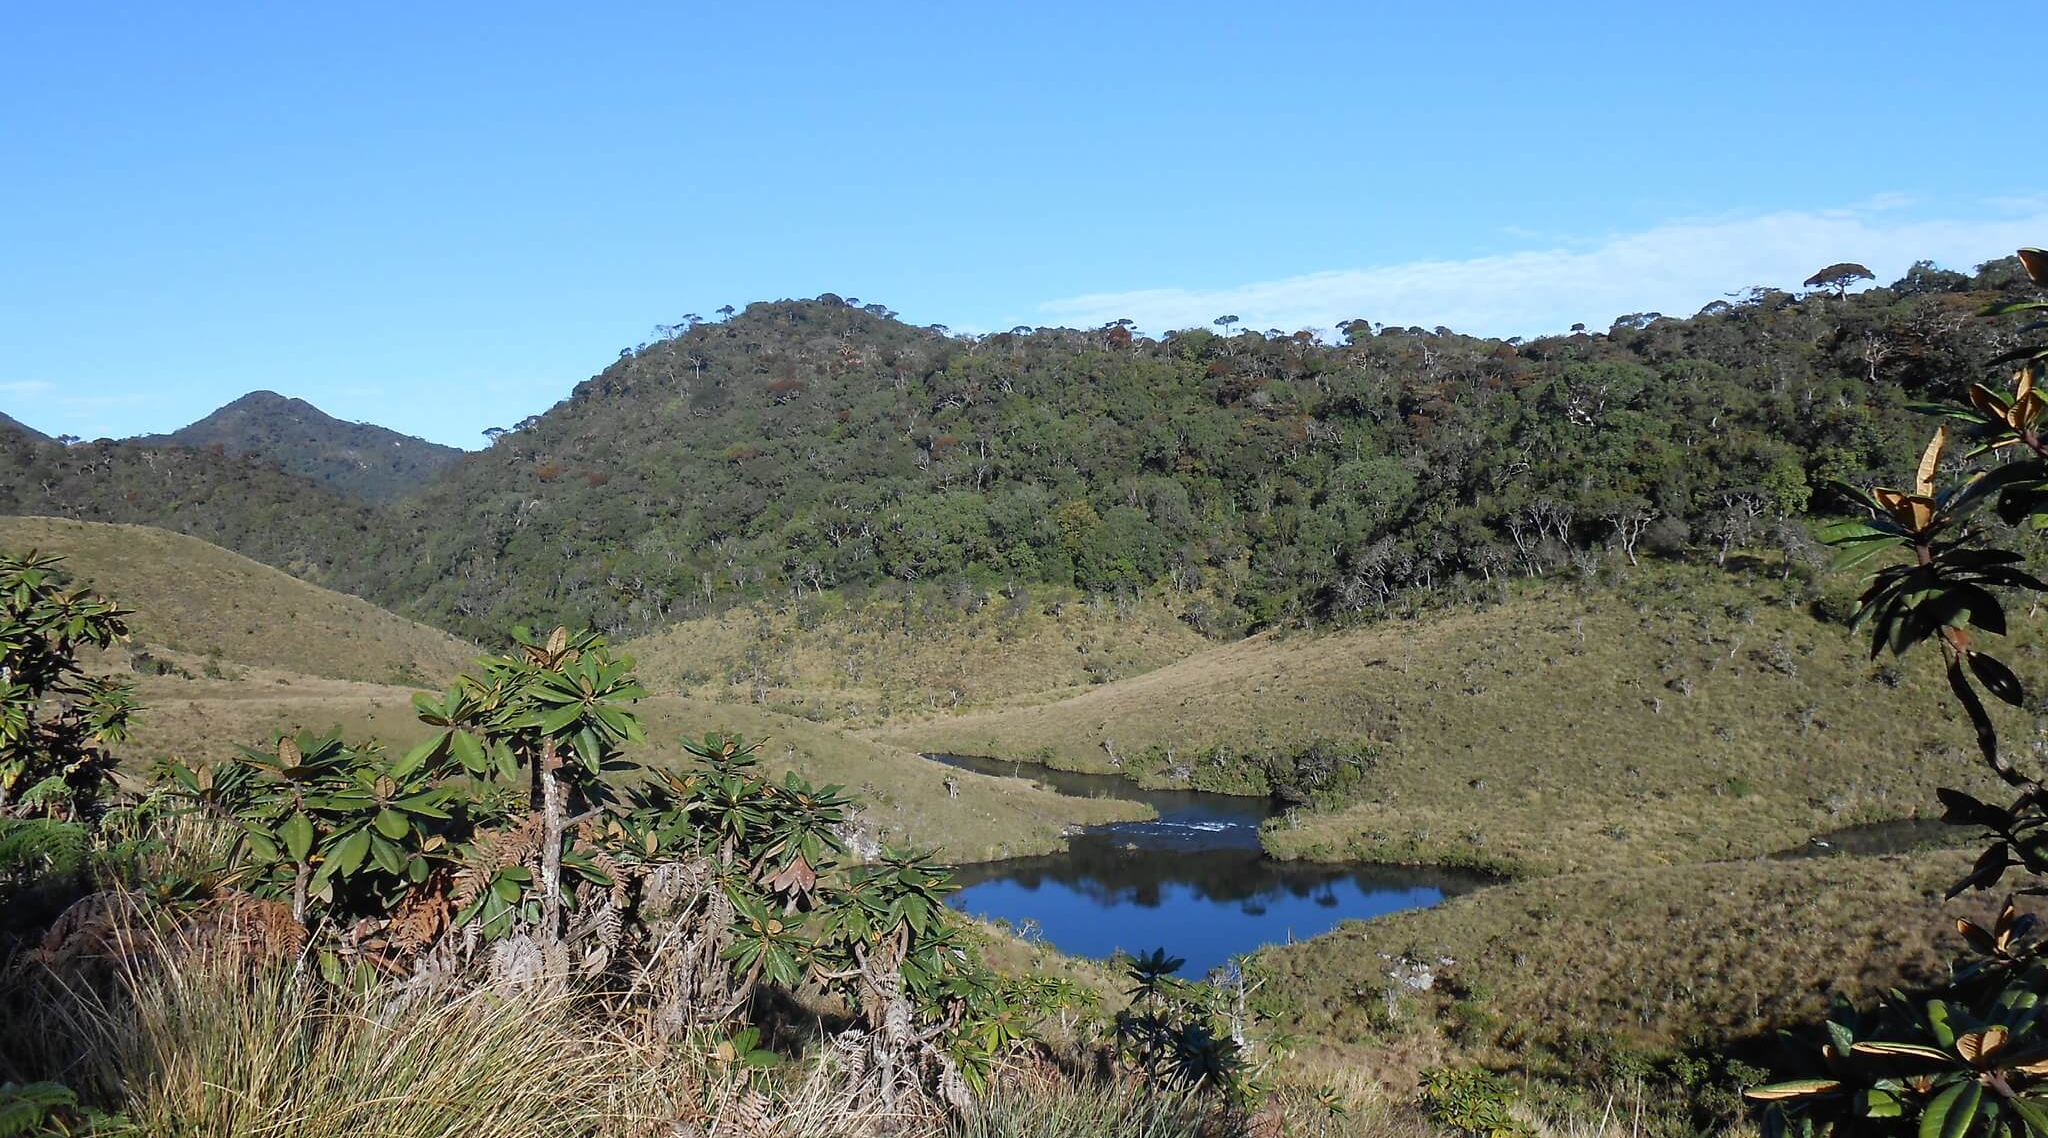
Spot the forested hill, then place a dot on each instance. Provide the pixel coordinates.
(241, 503)
(360, 460)
(1256, 477)
(813, 444)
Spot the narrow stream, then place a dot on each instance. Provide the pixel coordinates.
(1193, 881)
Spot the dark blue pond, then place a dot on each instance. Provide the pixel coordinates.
(1193, 882)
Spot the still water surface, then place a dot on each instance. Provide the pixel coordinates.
(1193, 882)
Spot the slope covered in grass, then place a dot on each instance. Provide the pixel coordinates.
(1562, 969)
(192, 599)
(863, 658)
(243, 503)
(1679, 715)
(904, 798)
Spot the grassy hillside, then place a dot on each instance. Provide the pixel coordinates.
(859, 658)
(904, 797)
(193, 601)
(1681, 715)
(1548, 973)
(252, 651)
(360, 460)
(241, 503)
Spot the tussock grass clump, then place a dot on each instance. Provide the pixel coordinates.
(219, 1045)
(1080, 1111)
(185, 1043)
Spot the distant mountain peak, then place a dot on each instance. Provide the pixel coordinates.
(360, 460)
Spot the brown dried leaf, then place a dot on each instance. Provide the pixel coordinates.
(1913, 511)
(1978, 939)
(794, 879)
(421, 917)
(1923, 479)
(1977, 1046)
(2036, 263)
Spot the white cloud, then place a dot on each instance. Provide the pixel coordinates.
(1673, 268)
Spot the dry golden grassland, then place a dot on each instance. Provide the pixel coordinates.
(904, 797)
(195, 601)
(901, 655)
(1682, 716)
(1648, 957)
(255, 651)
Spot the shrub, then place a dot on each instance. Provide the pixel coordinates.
(1472, 1101)
(56, 722)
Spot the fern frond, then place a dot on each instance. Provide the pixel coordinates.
(37, 847)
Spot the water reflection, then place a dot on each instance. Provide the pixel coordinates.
(1906, 835)
(1187, 818)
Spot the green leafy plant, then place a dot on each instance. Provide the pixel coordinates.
(1171, 1033)
(1471, 1101)
(56, 721)
(46, 1110)
(1968, 1059)
(511, 820)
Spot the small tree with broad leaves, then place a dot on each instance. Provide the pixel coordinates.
(56, 721)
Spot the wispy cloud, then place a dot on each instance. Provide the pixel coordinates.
(1673, 268)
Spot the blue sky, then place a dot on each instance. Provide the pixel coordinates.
(442, 216)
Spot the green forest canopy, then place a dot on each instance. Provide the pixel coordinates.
(1258, 476)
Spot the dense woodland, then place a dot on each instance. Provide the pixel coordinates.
(1255, 477)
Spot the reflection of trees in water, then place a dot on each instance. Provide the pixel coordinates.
(1171, 805)
(1095, 867)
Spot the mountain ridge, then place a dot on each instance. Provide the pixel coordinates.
(244, 504)
(10, 423)
(361, 460)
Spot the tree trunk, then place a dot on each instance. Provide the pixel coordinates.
(553, 811)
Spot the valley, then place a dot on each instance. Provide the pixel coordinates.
(1455, 741)
(227, 652)
(1053, 571)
